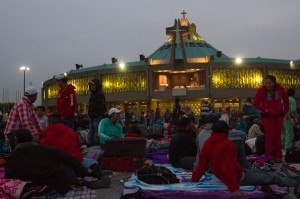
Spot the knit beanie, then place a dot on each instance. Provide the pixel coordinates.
(220, 126)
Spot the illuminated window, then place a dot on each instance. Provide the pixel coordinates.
(163, 80)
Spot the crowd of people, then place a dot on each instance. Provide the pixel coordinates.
(50, 149)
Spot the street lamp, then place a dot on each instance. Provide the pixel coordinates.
(24, 68)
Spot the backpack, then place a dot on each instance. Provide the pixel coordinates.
(156, 175)
(292, 155)
(260, 144)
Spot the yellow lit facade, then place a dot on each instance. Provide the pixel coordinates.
(124, 82)
(287, 78)
(236, 77)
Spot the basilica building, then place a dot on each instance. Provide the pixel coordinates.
(184, 66)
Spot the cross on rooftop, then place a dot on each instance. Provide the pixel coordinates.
(183, 14)
(176, 31)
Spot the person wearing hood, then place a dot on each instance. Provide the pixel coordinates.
(183, 148)
(66, 100)
(238, 137)
(220, 153)
(58, 135)
(96, 110)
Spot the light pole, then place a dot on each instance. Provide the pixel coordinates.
(24, 68)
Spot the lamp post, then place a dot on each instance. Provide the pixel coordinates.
(24, 68)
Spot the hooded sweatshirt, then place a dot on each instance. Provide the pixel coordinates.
(97, 106)
(62, 137)
(66, 101)
(269, 102)
(220, 153)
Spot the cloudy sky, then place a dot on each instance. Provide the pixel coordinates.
(51, 36)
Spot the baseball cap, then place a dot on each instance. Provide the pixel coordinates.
(114, 110)
(59, 77)
(30, 90)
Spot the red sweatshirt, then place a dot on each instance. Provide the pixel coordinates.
(220, 153)
(62, 137)
(66, 101)
(268, 107)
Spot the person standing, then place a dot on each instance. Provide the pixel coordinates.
(268, 100)
(142, 117)
(167, 116)
(96, 110)
(23, 115)
(157, 114)
(66, 100)
(288, 130)
(205, 109)
(176, 112)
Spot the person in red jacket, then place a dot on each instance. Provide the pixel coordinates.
(58, 135)
(66, 100)
(62, 137)
(220, 153)
(268, 100)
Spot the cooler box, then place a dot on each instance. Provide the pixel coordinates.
(124, 154)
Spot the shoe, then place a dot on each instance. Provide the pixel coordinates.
(107, 172)
(297, 190)
(284, 172)
(97, 184)
(95, 174)
(278, 160)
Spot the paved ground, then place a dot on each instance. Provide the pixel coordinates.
(116, 188)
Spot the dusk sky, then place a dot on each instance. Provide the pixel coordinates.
(50, 37)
